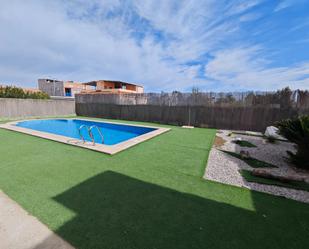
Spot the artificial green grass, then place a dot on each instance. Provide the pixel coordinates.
(244, 143)
(290, 184)
(149, 196)
(253, 162)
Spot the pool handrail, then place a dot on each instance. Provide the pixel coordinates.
(100, 133)
(81, 135)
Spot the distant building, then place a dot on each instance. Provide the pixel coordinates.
(111, 86)
(61, 88)
(51, 87)
(71, 88)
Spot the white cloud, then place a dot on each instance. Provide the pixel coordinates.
(50, 39)
(242, 6)
(86, 40)
(249, 17)
(240, 68)
(284, 4)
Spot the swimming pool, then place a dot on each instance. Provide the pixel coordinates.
(107, 137)
(112, 133)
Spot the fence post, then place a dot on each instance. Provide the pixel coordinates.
(189, 121)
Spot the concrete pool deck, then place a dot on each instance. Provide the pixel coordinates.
(20, 230)
(108, 149)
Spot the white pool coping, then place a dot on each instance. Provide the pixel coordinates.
(108, 149)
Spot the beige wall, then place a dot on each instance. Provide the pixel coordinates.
(139, 89)
(15, 108)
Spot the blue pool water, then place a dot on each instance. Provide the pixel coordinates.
(112, 133)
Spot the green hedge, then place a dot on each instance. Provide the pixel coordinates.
(17, 92)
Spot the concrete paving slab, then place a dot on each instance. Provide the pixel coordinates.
(20, 230)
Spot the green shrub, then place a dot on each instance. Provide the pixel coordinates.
(271, 139)
(17, 92)
(243, 143)
(297, 131)
(253, 162)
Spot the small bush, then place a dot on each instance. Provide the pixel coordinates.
(271, 139)
(244, 143)
(297, 131)
(17, 92)
(253, 162)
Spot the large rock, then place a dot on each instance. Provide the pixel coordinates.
(266, 173)
(272, 131)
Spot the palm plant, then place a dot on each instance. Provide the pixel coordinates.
(297, 131)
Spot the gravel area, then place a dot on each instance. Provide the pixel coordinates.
(224, 168)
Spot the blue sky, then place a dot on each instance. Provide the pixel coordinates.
(164, 45)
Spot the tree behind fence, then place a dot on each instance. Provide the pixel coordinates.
(282, 98)
(239, 111)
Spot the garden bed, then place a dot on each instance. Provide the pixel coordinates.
(227, 159)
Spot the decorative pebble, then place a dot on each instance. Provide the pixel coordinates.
(224, 168)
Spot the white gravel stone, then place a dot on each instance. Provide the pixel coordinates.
(224, 168)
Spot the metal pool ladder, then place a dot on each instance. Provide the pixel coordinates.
(80, 132)
(90, 133)
(99, 131)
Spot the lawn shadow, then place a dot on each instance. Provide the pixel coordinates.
(117, 211)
